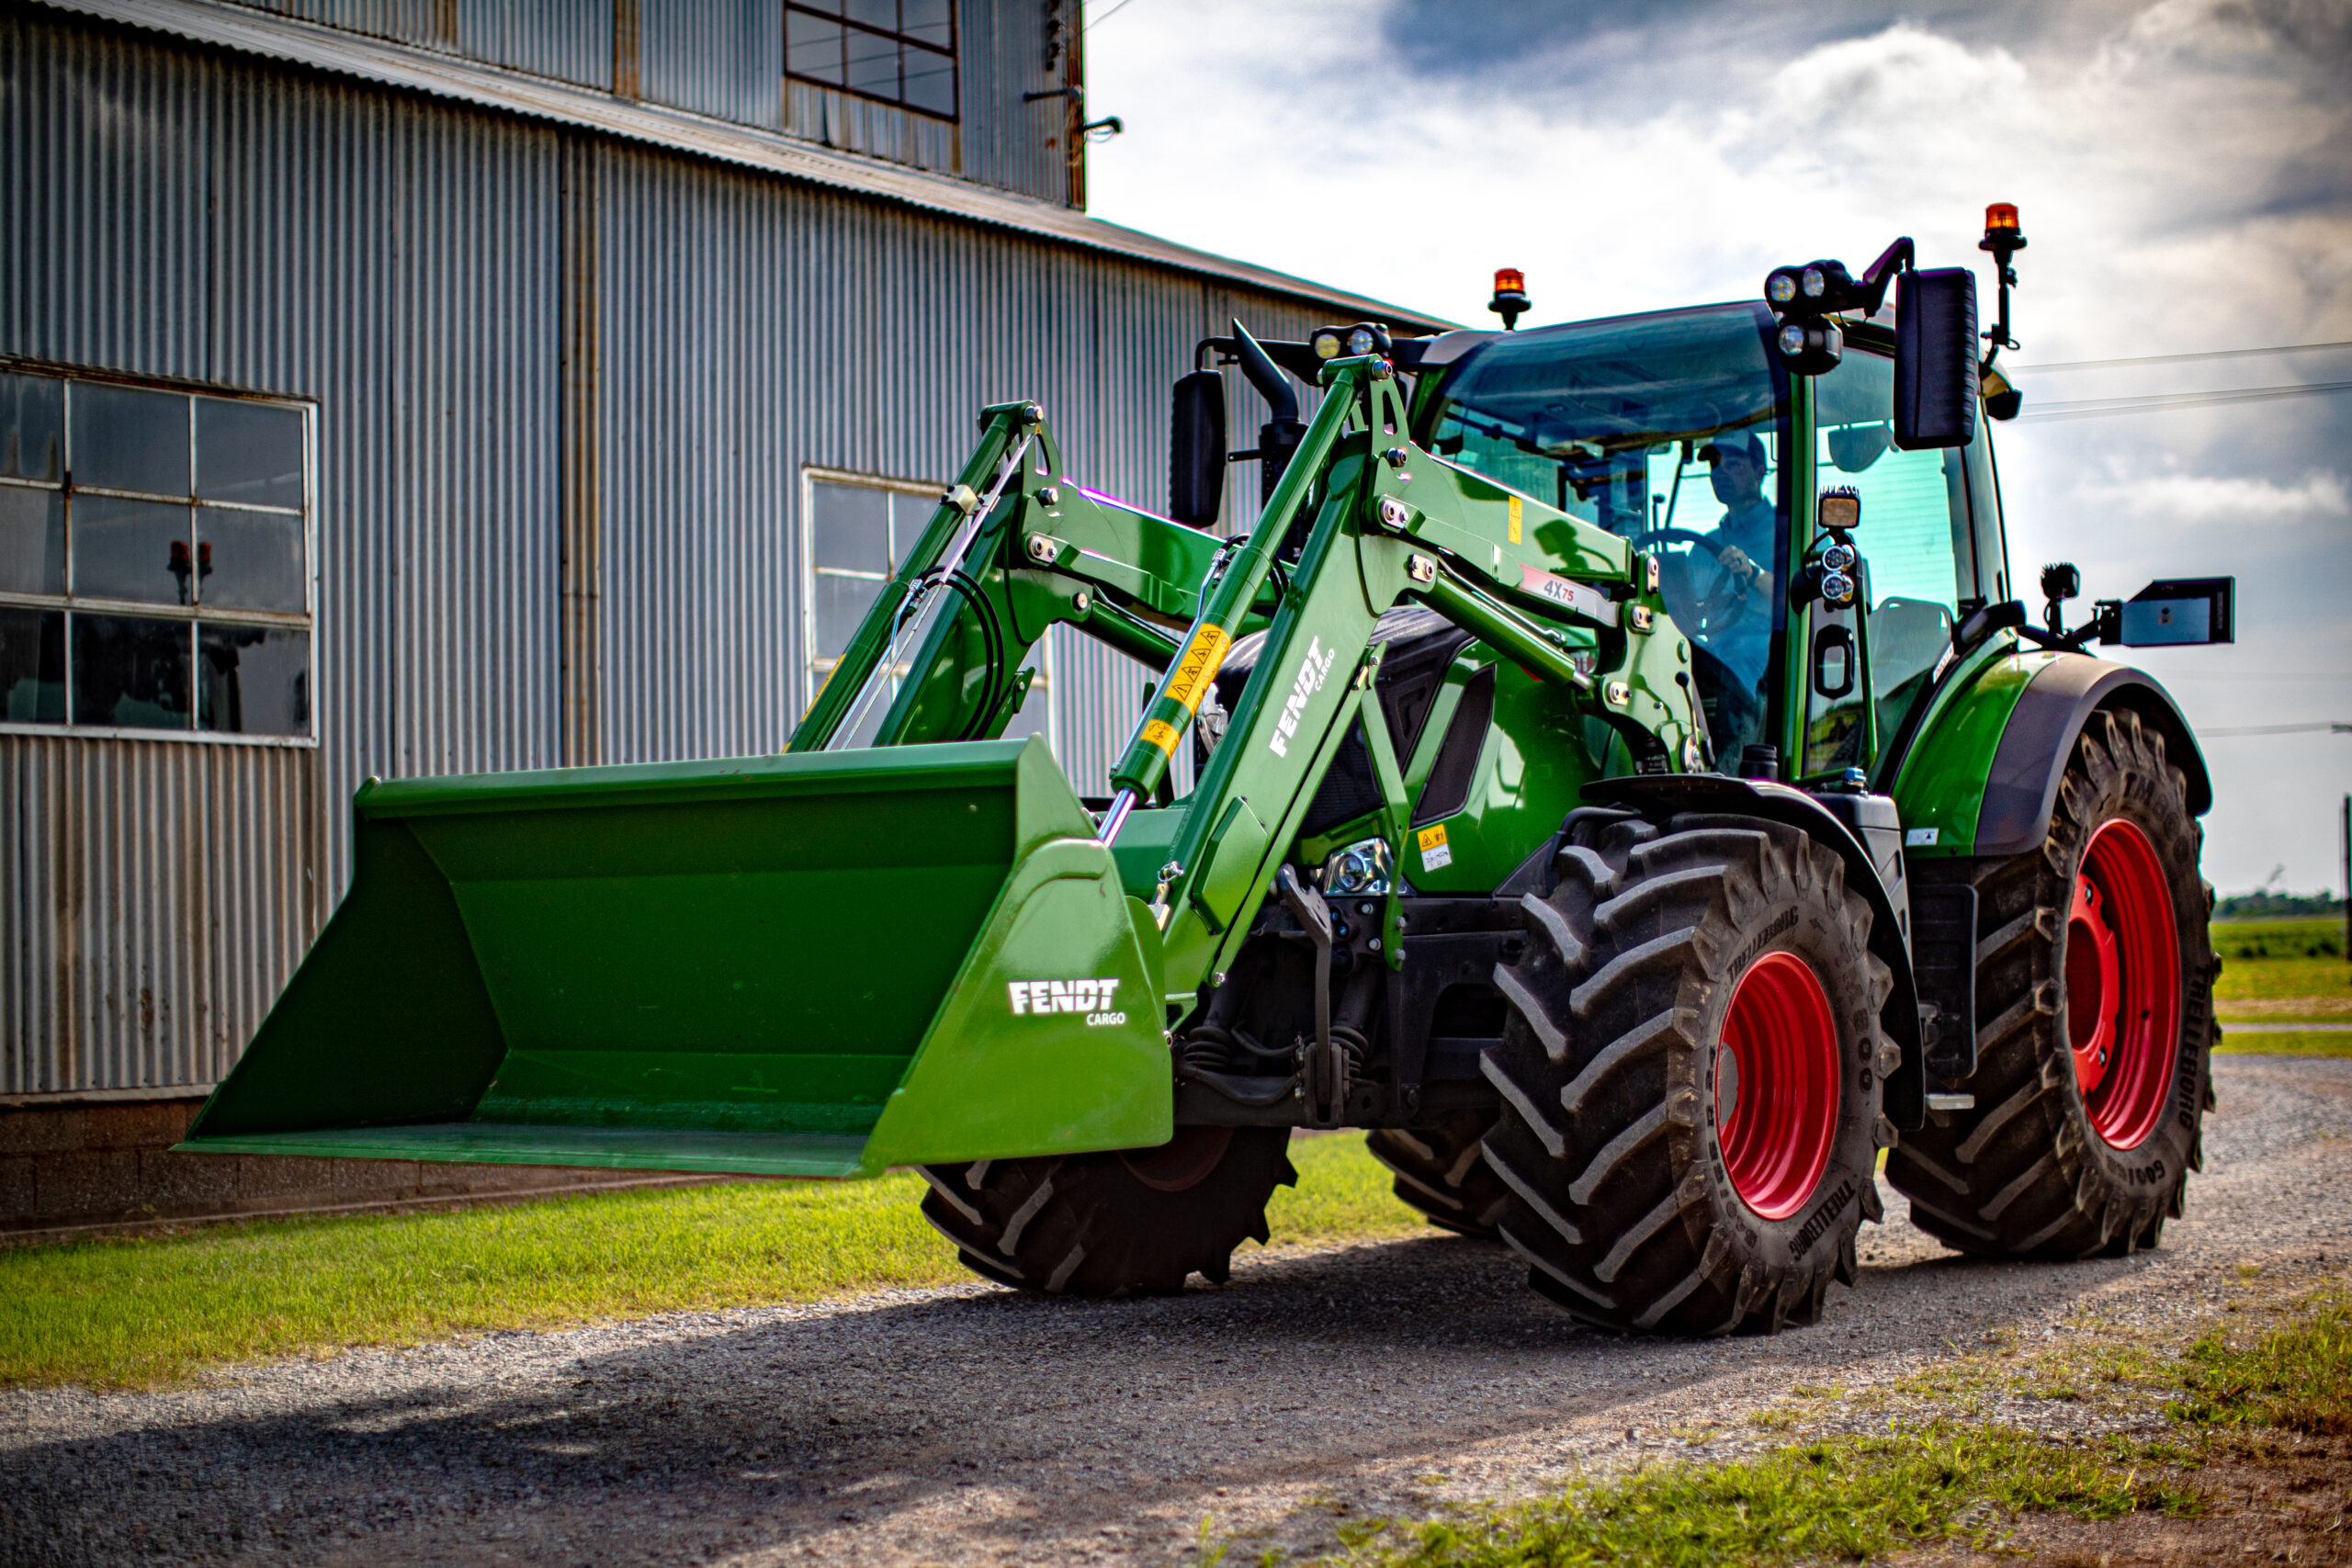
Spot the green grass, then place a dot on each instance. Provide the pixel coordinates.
(153, 1310)
(1342, 1195)
(2263, 959)
(1850, 1498)
(1836, 1500)
(2284, 1042)
(2296, 1376)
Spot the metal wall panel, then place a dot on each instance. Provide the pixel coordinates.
(569, 39)
(156, 896)
(567, 385)
(722, 57)
(747, 329)
(725, 59)
(396, 259)
(1009, 141)
(102, 219)
(878, 131)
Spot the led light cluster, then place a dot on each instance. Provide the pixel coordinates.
(1331, 343)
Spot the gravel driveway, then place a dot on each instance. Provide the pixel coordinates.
(971, 1424)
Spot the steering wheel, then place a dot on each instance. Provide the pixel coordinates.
(1713, 593)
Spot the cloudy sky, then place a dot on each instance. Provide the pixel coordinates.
(2184, 169)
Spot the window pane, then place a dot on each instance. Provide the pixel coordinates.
(841, 604)
(926, 20)
(124, 438)
(249, 560)
(850, 525)
(32, 540)
(831, 7)
(32, 427)
(812, 48)
(32, 666)
(131, 672)
(882, 14)
(131, 549)
(253, 680)
(909, 515)
(871, 64)
(248, 452)
(930, 82)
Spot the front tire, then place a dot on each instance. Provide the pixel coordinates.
(1691, 1077)
(2094, 983)
(1131, 1222)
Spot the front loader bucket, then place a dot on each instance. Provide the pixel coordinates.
(796, 966)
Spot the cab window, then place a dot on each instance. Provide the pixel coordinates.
(1920, 538)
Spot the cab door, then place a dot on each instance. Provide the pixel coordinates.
(1930, 546)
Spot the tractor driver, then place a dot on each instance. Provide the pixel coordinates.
(1729, 583)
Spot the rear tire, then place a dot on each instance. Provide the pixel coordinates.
(1439, 1172)
(2090, 941)
(1651, 1191)
(1131, 1222)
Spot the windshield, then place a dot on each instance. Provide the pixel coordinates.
(1603, 418)
(1666, 430)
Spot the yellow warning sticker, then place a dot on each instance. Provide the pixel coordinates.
(1196, 667)
(1161, 734)
(1436, 853)
(1514, 534)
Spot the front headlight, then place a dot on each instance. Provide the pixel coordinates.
(1363, 867)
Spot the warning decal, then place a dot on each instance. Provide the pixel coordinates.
(1196, 667)
(1436, 853)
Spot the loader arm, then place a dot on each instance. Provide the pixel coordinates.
(905, 942)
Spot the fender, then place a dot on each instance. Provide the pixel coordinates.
(2021, 787)
(1656, 797)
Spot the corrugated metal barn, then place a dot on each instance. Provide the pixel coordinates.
(401, 386)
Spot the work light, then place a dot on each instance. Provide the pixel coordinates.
(1326, 342)
(1840, 509)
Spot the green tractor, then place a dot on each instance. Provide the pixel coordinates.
(1621, 776)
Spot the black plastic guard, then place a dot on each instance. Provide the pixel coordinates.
(1660, 796)
(2021, 788)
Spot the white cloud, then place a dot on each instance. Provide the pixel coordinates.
(2206, 501)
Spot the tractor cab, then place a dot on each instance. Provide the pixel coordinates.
(1685, 433)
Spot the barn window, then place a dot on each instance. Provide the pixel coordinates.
(858, 530)
(155, 558)
(898, 51)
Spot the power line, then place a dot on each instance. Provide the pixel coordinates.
(2092, 407)
(2330, 729)
(2170, 359)
(1113, 11)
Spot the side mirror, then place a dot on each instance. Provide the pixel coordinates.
(1196, 450)
(1935, 359)
(2176, 612)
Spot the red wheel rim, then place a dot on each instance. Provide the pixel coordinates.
(1776, 1085)
(2123, 984)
